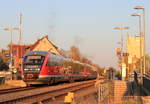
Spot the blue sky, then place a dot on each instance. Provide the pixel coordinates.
(87, 24)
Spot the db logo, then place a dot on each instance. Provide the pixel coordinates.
(30, 75)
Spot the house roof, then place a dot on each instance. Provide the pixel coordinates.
(37, 42)
(30, 47)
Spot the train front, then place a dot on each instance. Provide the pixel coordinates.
(32, 65)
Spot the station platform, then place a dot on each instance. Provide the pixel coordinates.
(15, 83)
(12, 84)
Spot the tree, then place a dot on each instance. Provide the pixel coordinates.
(100, 70)
(3, 64)
(64, 53)
(75, 53)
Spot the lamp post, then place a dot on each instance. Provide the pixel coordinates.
(140, 29)
(122, 49)
(11, 59)
(144, 45)
(121, 30)
(20, 38)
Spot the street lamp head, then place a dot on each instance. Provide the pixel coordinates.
(125, 27)
(139, 7)
(15, 28)
(6, 29)
(121, 28)
(10, 29)
(135, 14)
(117, 28)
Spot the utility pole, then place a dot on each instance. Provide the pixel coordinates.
(11, 51)
(123, 72)
(144, 39)
(141, 38)
(20, 28)
(20, 39)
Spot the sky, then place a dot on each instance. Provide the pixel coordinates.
(87, 24)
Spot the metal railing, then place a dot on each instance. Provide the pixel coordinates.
(104, 92)
(106, 95)
(131, 100)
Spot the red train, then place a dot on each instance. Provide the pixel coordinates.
(42, 67)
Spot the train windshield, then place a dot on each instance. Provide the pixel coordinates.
(34, 60)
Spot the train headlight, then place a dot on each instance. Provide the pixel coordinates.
(38, 69)
(25, 69)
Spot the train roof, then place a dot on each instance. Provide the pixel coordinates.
(37, 53)
(64, 58)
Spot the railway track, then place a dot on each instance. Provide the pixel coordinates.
(47, 95)
(11, 90)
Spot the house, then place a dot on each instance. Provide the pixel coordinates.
(42, 44)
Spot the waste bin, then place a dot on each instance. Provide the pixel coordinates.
(2, 80)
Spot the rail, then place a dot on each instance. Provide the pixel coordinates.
(49, 94)
(11, 90)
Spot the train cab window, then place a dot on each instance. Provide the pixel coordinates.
(34, 59)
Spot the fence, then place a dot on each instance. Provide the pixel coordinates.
(4, 75)
(115, 92)
(131, 100)
(104, 92)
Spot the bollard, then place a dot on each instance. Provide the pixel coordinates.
(69, 99)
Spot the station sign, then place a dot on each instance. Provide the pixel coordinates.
(123, 70)
(125, 54)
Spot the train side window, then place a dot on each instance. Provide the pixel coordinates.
(48, 63)
(52, 60)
